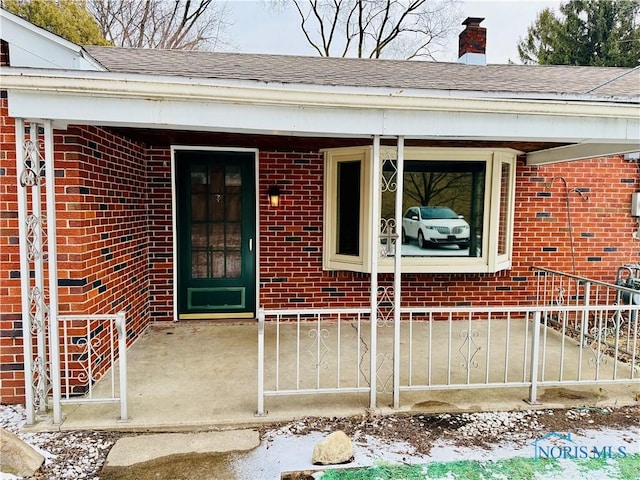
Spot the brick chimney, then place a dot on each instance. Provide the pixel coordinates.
(473, 43)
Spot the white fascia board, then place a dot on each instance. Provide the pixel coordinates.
(102, 98)
(274, 119)
(108, 84)
(580, 152)
(34, 47)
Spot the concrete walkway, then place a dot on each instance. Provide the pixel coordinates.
(200, 375)
(143, 448)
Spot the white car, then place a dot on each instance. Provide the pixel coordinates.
(435, 226)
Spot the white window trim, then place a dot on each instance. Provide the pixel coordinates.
(489, 262)
(331, 259)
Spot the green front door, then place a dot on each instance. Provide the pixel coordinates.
(216, 233)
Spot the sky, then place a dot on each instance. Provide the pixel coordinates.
(257, 29)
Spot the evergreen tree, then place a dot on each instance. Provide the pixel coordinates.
(587, 32)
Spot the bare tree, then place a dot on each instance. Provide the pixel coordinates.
(442, 187)
(376, 28)
(177, 24)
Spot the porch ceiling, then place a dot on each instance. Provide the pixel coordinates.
(162, 137)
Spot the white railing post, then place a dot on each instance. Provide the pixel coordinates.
(260, 411)
(585, 314)
(535, 347)
(121, 328)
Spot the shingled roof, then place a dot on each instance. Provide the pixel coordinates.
(605, 82)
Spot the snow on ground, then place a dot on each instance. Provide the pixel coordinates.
(482, 436)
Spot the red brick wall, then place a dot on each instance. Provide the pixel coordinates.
(291, 274)
(160, 228)
(102, 218)
(102, 225)
(602, 225)
(11, 376)
(291, 237)
(115, 228)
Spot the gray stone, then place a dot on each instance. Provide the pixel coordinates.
(336, 448)
(17, 457)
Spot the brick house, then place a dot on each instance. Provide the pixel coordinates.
(165, 164)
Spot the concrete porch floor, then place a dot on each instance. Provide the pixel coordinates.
(203, 375)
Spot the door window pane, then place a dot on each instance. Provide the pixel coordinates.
(216, 207)
(234, 236)
(217, 265)
(199, 236)
(234, 207)
(217, 179)
(233, 177)
(217, 236)
(198, 207)
(234, 264)
(199, 267)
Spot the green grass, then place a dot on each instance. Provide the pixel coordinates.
(629, 467)
(517, 468)
(382, 471)
(621, 468)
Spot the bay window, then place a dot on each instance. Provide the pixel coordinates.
(457, 206)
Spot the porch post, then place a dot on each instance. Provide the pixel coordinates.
(36, 224)
(375, 242)
(39, 319)
(52, 258)
(25, 175)
(397, 274)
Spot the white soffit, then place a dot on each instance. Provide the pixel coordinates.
(580, 152)
(318, 120)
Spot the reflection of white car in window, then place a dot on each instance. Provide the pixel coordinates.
(435, 226)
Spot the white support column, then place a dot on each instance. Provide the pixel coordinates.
(375, 242)
(54, 344)
(38, 294)
(25, 272)
(397, 274)
(35, 172)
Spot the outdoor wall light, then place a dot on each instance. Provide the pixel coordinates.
(274, 196)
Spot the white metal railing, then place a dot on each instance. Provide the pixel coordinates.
(303, 352)
(491, 347)
(91, 346)
(560, 289)
(447, 348)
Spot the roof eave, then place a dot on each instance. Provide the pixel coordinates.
(99, 98)
(108, 84)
